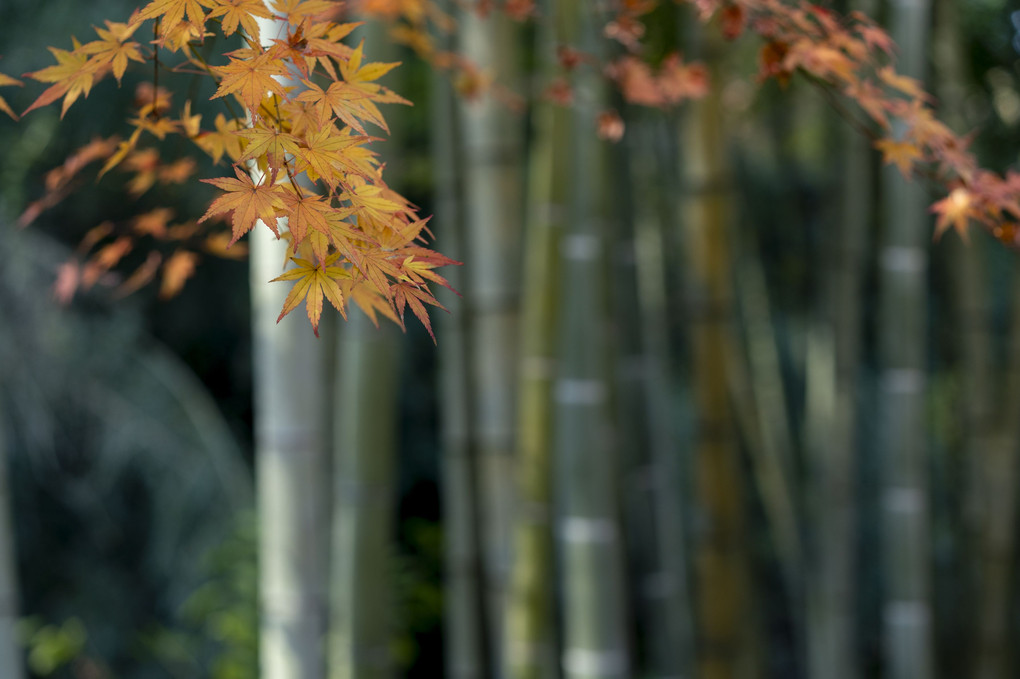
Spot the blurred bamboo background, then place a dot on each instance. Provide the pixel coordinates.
(711, 403)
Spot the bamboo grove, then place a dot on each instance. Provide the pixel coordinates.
(623, 425)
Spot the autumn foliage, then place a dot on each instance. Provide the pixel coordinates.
(300, 107)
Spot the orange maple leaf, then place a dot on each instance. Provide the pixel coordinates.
(71, 77)
(902, 154)
(414, 296)
(954, 210)
(270, 142)
(305, 212)
(326, 152)
(313, 283)
(340, 98)
(5, 81)
(251, 78)
(176, 270)
(240, 12)
(247, 200)
(904, 84)
(171, 12)
(112, 49)
(296, 11)
(224, 140)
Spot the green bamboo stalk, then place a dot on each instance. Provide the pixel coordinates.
(364, 434)
(670, 652)
(903, 257)
(365, 425)
(10, 650)
(999, 474)
(772, 446)
(493, 194)
(530, 628)
(291, 476)
(586, 468)
(831, 376)
(724, 648)
(991, 434)
(291, 400)
(467, 637)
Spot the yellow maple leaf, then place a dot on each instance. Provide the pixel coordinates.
(314, 281)
(902, 154)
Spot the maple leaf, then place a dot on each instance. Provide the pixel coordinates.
(314, 281)
(367, 199)
(636, 81)
(610, 126)
(176, 38)
(247, 200)
(415, 297)
(908, 86)
(141, 276)
(377, 267)
(872, 35)
(219, 244)
(191, 124)
(326, 151)
(144, 164)
(305, 212)
(177, 172)
(250, 79)
(105, 259)
(679, 81)
(296, 11)
(112, 49)
(370, 301)
(340, 98)
(902, 154)
(6, 81)
(954, 210)
(871, 100)
(733, 21)
(171, 12)
(419, 264)
(176, 270)
(270, 142)
(70, 76)
(240, 12)
(68, 275)
(224, 140)
(158, 127)
(152, 223)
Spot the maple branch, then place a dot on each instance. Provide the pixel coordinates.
(277, 118)
(201, 62)
(838, 107)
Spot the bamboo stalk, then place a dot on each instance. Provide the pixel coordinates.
(492, 137)
(671, 647)
(530, 628)
(364, 436)
(586, 468)
(291, 479)
(903, 259)
(291, 401)
(365, 426)
(831, 370)
(724, 648)
(467, 630)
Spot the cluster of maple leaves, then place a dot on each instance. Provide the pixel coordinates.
(298, 104)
